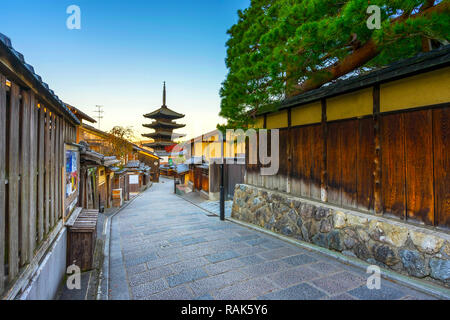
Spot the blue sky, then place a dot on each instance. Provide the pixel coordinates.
(123, 53)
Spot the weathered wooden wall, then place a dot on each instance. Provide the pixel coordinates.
(31, 176)
(394, 163)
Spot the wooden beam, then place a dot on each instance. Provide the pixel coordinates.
(47, 173)
(25, 177)
(324, 175)
(378, 206)
(290, 153)
(57, 171)
(13, 183)
(2, 179)
(33, 174)
(41, 172)
(60, 167)
(52, 170)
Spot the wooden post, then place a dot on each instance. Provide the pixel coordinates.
(289, 153)
(13, 182)
(61, 168)
(52, 170)
(47, 172)
(33, 174)
(41, 172)
(2, 178)
(377, 152)
(25, 178)
(56, 168)
(324, 175)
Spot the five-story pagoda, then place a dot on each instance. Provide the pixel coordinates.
(163, 125)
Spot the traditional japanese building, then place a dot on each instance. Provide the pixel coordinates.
(163, 125)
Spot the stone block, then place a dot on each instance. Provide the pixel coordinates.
(425, 242)
(339, 219)
(440, 269)
(414, 263)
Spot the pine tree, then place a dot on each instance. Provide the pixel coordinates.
(281, 48)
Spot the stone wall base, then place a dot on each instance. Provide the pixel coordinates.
(405, 248)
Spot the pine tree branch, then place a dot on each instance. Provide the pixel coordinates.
(360, 56)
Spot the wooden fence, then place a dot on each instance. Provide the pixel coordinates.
(233, 174)
(393, 163)
(31, 176)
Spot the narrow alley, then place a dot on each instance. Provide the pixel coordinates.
(163, 247)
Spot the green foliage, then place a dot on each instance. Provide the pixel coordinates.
(278, 44)
(119, 141)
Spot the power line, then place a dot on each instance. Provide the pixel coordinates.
(99, 111)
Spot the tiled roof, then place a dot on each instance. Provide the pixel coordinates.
(164, 112)
(169, 134)
(163, 124)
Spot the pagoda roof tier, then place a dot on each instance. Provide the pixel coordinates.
(163, 124)
(164, 113)
(163, 134)
(159, 144)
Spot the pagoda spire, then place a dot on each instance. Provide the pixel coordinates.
(163, 126)
(164, 94)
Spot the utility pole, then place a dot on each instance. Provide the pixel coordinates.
(99, 111)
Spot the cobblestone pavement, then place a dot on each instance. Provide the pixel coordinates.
(163, 247)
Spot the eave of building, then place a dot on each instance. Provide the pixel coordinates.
(163, 134)
(80, 114)
(159, 144)
(162, 124)
(148, 154)
(95, 131)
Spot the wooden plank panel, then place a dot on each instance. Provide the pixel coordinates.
(377, 158)
(305, 162)
(419, 166)
(317, 160)
(334, 163)
(2, 179)
(296, 150)
(41, 176)
(33, 174)
(393, 165)
(283, 150)
(57, 170)
(24, 178)
(52, 171)
(47, 173)
(348, 143)
(61, 168)
(13, 183)
(441, 143)
(365, 165)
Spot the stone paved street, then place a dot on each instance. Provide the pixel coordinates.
(163, 247)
